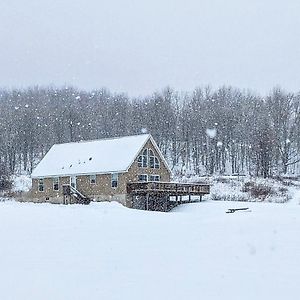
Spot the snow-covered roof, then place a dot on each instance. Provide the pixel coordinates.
(91, 157)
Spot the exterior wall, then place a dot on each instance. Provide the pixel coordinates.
(48, 195)
(101, 190)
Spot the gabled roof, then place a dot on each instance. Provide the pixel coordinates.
(92, 157)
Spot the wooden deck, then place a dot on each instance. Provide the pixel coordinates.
(163, 196)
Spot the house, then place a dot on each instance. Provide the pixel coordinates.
(98, 170)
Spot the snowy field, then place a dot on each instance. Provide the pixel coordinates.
(106, 251)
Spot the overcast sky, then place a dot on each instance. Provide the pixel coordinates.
(142, 46)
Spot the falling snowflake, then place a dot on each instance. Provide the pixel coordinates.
(211, 132)
(144, 130)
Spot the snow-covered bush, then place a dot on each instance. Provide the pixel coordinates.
(253, 190)
(21, 183)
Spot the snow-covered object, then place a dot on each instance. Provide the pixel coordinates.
(211, 132)
(21, 183)
(91, 157)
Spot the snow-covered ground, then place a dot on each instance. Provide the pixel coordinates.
(106, 251)
(246, 188)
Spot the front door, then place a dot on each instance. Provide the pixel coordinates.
(73, 181)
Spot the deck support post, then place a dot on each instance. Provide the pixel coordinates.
(147, 201)
(166, 203)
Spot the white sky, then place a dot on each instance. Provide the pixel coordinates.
(141, 46)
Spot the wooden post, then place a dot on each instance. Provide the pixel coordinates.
(147, 201)
(200, 198)
(166, 203)
(189, 197)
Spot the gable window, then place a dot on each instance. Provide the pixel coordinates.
(55, 183)
(151, 159)
(114, 180)
(143, 159)
(148, 159)
(154, 178)
(143, 177)
(93, 179)
(41, 185)
(140, 161)
(156, 163)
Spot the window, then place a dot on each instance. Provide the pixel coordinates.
(156, 163)
(145, 152)
(154, 178)
(92, 179)
(151, 159)
(148, 159)
(56, 184)
(114, 180)
(140, 161)
(143, 160)
(41, 185)
(143, 177)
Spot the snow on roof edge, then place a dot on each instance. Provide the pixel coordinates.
(78, 174)
(102, 139)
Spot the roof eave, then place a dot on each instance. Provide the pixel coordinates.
(77, 174)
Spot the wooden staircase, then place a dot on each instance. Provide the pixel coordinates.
(73, 196)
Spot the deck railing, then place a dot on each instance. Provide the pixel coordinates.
(172, 188)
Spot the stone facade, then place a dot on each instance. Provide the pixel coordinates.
(102, 189)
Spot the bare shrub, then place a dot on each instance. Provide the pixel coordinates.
(283, 190)
(248, 186)
(5, 181)
(227, 197)
(261, 191)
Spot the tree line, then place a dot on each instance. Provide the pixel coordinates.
(206, 131)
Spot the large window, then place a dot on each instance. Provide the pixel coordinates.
(151, 159)
(114, 180)
(143, 159)
(156, 163)
(41, 185)
(143, 177)
(140, 161)
(55, 183)
(148, 159)
(93, 179)
(154, 178)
